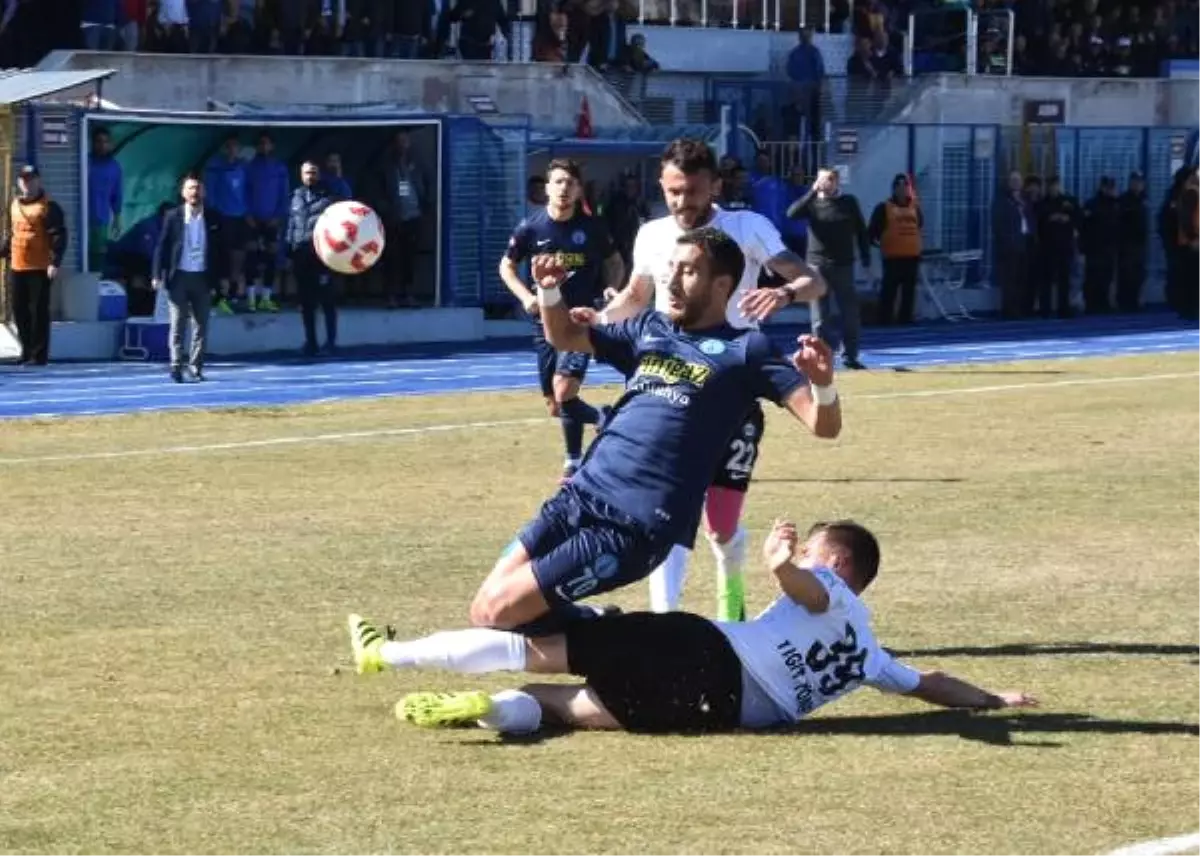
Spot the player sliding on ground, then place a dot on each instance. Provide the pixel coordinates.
(689, 182)
(583, 246)
(692, 378)
(679, 672)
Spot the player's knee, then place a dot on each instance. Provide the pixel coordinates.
(565, 388)
(722, 514)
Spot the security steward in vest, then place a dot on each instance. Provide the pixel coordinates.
(33, 243)
(895, 228)
(1189, 249)
(1059, 217)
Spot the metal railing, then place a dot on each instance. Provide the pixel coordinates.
(740, 14)
(930, 48)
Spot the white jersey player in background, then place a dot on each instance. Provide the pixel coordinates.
(680, 672)
(689, 181)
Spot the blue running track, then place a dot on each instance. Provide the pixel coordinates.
(109, 388)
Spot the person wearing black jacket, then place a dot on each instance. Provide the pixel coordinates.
(191, 262)
(1099, 237)
(1133, 220)
(836, 228)
(1168, 234)
(479, 20)
(1189, 248)
(314, 282)
(1058, 220)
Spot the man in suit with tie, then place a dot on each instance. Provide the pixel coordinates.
(189, 262)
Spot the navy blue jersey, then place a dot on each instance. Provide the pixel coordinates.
(688, 393)
(582, 242)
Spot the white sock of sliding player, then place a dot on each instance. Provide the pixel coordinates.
(472, 651)
(513, 712)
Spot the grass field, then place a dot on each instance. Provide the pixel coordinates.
(171, 623)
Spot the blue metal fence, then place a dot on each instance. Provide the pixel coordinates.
(483, 171)
(958, 169)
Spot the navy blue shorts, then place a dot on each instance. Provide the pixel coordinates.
(551, 362)
(581, 547)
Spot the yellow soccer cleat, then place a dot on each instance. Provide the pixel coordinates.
(367, 643)
(443, 710)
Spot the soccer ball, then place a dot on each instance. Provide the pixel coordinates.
(348, 237)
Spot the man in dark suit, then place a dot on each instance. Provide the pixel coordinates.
(189, 262)
(1012, 235)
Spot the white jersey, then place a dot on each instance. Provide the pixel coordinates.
(655, 245)
(802, 661)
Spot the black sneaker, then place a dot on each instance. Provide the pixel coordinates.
(197, 375)
(853, 364)
(177, 375)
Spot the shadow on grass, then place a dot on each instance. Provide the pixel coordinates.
(1015, 729)
(990, 729)
(1054, 649)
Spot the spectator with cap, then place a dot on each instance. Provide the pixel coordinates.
(33, 244)
(1133, 218)
(1099, 237)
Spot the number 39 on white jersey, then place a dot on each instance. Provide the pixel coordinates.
(755, 234)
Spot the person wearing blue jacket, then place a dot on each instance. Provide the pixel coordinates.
(105, 198)
(334, 179)
(268, 198)
(314, 282)
(795, 232)
(225, 181)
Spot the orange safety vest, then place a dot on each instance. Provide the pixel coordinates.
(901, 238)
(1185, 239)
(30, 242)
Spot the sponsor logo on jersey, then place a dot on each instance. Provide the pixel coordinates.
(671, 369)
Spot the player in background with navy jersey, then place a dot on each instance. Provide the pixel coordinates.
(583, 248)
(641, 487)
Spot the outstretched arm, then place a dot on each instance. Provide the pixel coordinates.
(563, 332)
(948, 691)
(817, 405)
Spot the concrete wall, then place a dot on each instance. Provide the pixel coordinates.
(960, 100)
(166, 82)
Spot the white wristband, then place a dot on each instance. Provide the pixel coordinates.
(824, 396)
(549, 296)
(602, 317)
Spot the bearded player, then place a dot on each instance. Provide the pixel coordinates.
(689, 185)
(582, 246)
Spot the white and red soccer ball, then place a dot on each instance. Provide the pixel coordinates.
(348, 237)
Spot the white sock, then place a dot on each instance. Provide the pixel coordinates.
(513, 712)
(471, 651)
(666, 582)
(730, 556)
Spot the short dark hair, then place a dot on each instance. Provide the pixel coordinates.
(1033, 181)
(567, 165)
(690, 156)
(191, 176)
(725, 257)
(858, 541)
(101, 131)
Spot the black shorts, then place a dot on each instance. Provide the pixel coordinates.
(659, 672)
(262, 237)
(553, 362)
(738, 464)
(236, 231)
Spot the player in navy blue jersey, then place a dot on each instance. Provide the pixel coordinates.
(583, 248)
(641, 487)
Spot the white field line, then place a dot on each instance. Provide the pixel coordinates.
(1177, 846)
(343, 436)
